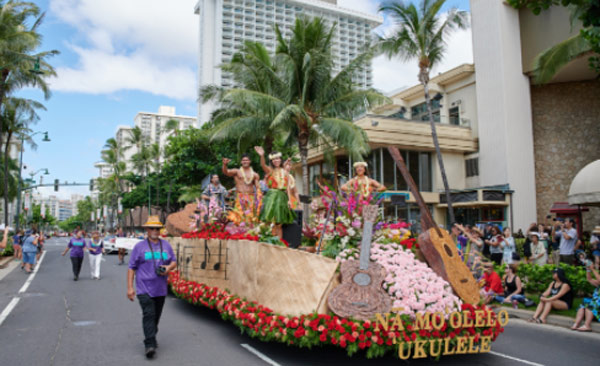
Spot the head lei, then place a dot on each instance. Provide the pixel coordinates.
(359, 163)
(274, 156)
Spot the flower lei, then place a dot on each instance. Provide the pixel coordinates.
(246, 180)
(363, 188)
(279, 175)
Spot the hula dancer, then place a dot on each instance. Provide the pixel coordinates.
(292, 188)
(361, 183)
(277, 205)
(247, 187)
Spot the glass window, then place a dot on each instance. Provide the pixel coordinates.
(454, 116)
(413, 165)
(314, 173)
(425, 172)
(343, 170)
(401, 184)
(327, 174)
(389, 170)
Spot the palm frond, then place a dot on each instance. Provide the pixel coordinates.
(549, 62)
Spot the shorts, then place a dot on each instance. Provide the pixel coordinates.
(596, 253)
(567, 258)
(29, 257)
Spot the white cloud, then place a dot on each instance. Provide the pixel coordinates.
(147, 45)
(64, 193)
(152, 45)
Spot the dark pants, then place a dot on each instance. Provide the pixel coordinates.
(76, 262)
(568, 259)
(496, 258)
(151, 310)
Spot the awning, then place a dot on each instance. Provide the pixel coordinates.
(585, 187)
(563, 208)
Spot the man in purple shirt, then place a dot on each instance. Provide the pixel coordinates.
(76, 245)
(149, 264)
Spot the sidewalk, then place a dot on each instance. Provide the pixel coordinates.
(559, 320)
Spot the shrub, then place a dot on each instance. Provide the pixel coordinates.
(537, 278)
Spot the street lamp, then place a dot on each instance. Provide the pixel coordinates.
(45, 139)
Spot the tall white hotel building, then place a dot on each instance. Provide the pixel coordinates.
(226, 24)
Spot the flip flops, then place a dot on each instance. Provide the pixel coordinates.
(584, 329)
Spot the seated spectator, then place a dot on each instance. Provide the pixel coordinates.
(559, 296)
(492, 284)
(539, 255)
(595, 244)
(590, 307)
(513, 288)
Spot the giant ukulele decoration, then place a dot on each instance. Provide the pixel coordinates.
(438, 247)
(360, 295)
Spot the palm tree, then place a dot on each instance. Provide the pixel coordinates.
(139, 161)
(303, 102)
(172, 125)
(421, 34)
(252, 69)
(19, 65)
(113, 186)
(18, 114)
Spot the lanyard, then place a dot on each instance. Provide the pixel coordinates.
(152, 251)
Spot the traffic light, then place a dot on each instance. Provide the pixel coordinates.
(56, 185)
(91, 185)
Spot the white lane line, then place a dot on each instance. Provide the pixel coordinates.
(11, 305)
(32, 276)
(515, 359)
(260, 355)
(15, 300)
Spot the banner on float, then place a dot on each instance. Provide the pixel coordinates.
(126, 243)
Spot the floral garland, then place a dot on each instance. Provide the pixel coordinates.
(314, 329)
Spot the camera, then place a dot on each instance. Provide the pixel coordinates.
(161, 270)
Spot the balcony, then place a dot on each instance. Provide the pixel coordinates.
(410, 134)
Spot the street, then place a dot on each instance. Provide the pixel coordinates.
(58, 321)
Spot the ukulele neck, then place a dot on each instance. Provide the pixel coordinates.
(369, 215)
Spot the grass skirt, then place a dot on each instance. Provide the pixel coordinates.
(275, 208)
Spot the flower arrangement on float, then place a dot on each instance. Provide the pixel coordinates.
(317, 330)
(344, 228)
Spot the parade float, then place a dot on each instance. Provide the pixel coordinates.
(366, 286)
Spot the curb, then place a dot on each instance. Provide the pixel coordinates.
(5, 260)
(558, 320)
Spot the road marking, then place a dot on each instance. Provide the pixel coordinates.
(515, 359)
(32, 276)
(15, 300)
(11, 305)
(260, 355)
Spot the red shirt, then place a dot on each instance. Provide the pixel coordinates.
(493, 282)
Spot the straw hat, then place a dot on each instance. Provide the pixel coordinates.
(153, 221)
(596, 230)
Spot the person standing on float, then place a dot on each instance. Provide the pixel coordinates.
(150, 262)
(247, 189)
(361, 183)
(277, 205)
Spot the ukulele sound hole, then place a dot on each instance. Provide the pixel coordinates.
(448, 250)
(464, 280)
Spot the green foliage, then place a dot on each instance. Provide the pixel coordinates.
(71, 224)
(536, 279)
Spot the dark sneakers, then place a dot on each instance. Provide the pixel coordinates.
(150, 351)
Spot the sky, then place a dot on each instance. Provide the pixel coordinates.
(118, 58)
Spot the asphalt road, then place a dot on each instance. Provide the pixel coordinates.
(58, 321)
